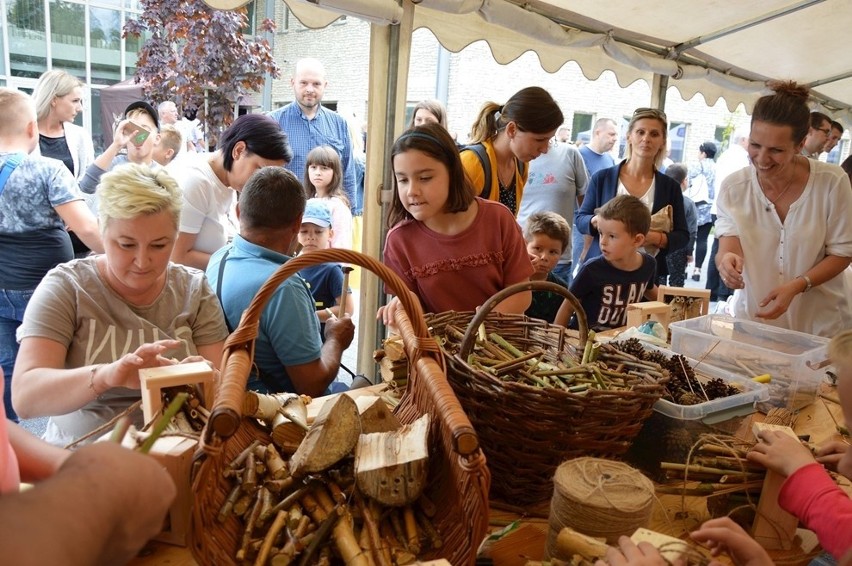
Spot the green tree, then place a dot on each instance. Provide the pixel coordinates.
(193, 48)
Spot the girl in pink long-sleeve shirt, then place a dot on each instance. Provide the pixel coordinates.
(809, 493)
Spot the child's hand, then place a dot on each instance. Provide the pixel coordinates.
(780, 452)
(387, 313)
(629, 553)
(723, 535)
(124, 132)
(534, 259)
(830, 453)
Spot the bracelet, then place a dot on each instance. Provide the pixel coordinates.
(808, 282)
(329, 313)
(94, 370)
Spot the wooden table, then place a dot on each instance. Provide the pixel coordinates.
(672, 515)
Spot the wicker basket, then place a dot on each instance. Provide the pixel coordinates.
(526, 431)
(458, 478)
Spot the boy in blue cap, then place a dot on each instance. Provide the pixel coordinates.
(325, 280)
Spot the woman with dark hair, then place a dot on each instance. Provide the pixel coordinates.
(210, 184)
(442, 238)
(639, 175)
(505, 138)
(783, 224)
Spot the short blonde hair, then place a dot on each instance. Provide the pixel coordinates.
(16, 111)
(50, 85)
(840, 349)
(131, 190)
(170, 138)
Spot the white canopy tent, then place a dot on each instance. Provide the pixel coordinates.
(719, 48)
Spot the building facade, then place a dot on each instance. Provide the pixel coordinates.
(81, 37)
(463, 81)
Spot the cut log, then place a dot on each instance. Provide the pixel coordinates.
(570, 543)
(773, 527)
(394, 349)
(332, 436)
(375, 415)
(286, 434)
(391, 467)
(265, 407)
(393, 370)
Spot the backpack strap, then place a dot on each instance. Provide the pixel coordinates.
(11, 163)
(219, 288)
(482, 154)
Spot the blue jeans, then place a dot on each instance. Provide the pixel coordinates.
(13, 303)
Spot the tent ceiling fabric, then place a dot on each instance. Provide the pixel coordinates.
(719, 48)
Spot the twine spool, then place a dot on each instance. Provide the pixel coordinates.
(599, 498)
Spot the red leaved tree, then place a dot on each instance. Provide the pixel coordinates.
(195, 54)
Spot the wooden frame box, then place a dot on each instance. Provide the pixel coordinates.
(153, 380)
(175, 454)
(639, 313)
(665, 294)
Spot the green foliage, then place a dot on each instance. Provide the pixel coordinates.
(193, 48)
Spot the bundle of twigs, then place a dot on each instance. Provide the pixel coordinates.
(600, 366)
(320, 518)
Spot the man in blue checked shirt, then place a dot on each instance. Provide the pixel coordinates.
(308, 125)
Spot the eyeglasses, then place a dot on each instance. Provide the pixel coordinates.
(655, 112)
(826, 131)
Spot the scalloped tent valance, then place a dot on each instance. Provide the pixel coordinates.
(719, 48)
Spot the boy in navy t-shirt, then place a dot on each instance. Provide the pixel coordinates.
(622, 274)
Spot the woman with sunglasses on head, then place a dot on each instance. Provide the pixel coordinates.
(784, 229)
(504, 139)
(639, 175)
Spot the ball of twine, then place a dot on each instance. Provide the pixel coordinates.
(599, 498)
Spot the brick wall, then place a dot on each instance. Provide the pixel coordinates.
(474, 77)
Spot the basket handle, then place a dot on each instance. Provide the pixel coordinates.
(237, 358)
(500, 296)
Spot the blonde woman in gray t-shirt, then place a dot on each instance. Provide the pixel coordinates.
(93, 323)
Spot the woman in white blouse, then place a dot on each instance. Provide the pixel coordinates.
(784, 227)
(210, 184)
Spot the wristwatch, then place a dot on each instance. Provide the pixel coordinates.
(808, 282)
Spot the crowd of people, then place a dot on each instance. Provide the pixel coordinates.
(170, 250)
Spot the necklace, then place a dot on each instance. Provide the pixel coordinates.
(777, 198)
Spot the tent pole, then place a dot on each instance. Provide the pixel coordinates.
(659, 87)
(390, 53)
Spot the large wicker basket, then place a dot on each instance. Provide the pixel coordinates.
(458, 478)
(527, 431)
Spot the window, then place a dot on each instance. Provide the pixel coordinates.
(68, 37)
(581, 127)
(251, 9)
(105, 39)
(677, 141)
(27, 38)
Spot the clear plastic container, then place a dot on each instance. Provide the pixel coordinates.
(795, 361)
(718, 409)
